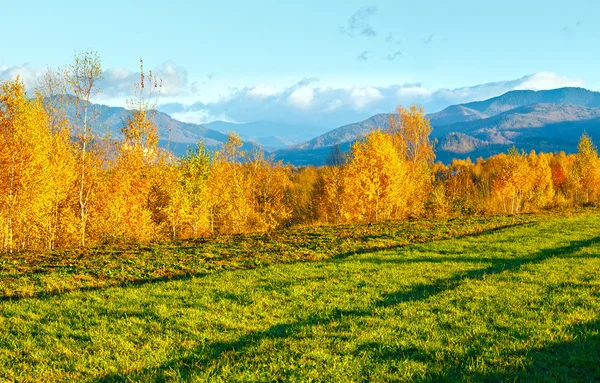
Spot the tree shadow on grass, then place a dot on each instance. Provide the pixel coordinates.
(561, 361)
(221, 259)
(122, 284)
(576, 360)
(375, 249)
(422, 292)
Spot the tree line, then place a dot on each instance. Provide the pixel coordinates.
(62, 186)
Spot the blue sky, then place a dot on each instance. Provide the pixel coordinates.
(325, 61)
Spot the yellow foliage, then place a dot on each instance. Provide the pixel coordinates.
(374, 181)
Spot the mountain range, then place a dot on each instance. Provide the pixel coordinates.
(178, 135)
(270, 135)
(549, 120)
(175, 135)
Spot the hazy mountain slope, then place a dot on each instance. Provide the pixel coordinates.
(519, 98)
(111, 119)
(174, 134)
(268, 133)
(312, 156)
(346, 133)
(541, 127)
(505, 127)
(460, 143)
(454, 114)
(474, 111)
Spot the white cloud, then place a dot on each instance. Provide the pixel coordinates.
(119, 82)
(201, 116)
(261, 91)
(361, 97)
(415, 91)
(302, 97)
(335, 104)
(548, 80)
(309, 102)
(25, 72)
(306, 101)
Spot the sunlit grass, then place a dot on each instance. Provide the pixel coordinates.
(416, 301)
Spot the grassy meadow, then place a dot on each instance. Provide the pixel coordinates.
(473, 299)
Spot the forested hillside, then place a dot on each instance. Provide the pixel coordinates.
(63, 185)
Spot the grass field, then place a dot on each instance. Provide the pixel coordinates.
(479, 299)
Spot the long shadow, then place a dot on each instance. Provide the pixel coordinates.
(422, 292)
(203, 355)
(375, 249)
(132, 283)
(185, 276)
(577, 360)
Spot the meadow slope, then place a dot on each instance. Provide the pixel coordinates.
(458, 300)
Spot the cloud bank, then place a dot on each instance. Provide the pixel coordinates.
(118, 83)
(27, 73)
(308, 101)
(312, 103)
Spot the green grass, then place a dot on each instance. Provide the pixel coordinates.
(460, 300)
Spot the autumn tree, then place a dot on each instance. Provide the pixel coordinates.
(410, 130)
(587, 168)
(303, 195)
(510, 183)
(329, 187)
(138, 170)
(270, 185)
(25, 172)
(230, 190)
(458, 180)
(195, 173)
(374, 180)
(52, 93)
(540, 188)
(82, 79)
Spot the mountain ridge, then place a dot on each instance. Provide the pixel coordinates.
(518, 117)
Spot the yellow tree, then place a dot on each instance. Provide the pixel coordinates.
(563, 176)
(541, 190)
(136, 168)
(329, 188)
(230, 190)
(587, 168)
(511, 184)
(303, 191)
(374, 180)
(82, 78)
(25, 171)
(195, 171)
(410, 130)
(459, 185)
(61, 224)
(270, 185)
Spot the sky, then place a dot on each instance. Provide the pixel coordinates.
(321, 62)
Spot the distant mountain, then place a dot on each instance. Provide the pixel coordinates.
(269, 134)
(462, 113)
(346, 133)
(454, 114)
(460, 143)
(519, 98)
(504, 127)
(551, 120)
(174, 134)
